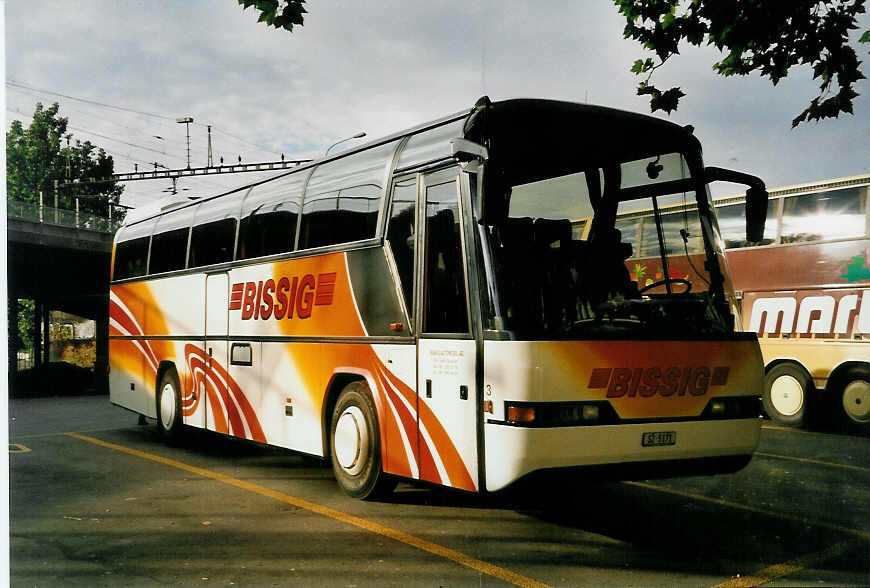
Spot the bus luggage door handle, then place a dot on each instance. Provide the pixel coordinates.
(210, 354)
(428, 388)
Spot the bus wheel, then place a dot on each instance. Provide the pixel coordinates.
(855, 399)
(169, 406)
(787, 388)
(355, 445)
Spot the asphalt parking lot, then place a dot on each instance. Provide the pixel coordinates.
(97, 500)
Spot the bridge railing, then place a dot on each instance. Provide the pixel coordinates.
(36, 212)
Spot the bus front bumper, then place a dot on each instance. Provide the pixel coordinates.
(618, 451)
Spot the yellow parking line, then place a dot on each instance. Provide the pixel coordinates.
(814, 462)
(735, 505)
(59, 434)
(421, 544)
(785, 569)
(783, 429)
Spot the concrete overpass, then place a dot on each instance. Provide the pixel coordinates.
(60, 259)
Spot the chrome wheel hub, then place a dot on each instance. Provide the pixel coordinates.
(351, 440)
(167, 406)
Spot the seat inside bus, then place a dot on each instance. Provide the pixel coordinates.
(549, 280)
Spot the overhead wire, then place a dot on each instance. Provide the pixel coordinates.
(129, 157)
(181, 144)
(15, 84)
(108, 138)
(19, 85)
(195, 150)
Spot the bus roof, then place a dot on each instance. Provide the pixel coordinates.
(588, 129)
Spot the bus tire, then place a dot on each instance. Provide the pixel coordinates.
(854, 397)
(169, 419)
(787, 391)
(355, 445)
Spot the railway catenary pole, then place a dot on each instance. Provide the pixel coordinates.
(195, 171)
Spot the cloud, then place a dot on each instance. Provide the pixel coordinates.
(379, 67)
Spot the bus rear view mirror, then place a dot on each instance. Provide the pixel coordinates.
(756, 198)
(464, 150)
(756, 213)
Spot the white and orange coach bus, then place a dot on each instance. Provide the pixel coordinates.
(805, 290)
(423, 308)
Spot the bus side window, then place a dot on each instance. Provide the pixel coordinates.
(268, 217)
(401, 233)
(130, 258)
(444, 301)
(340, 217)
(343, 198)
(169, 241)
(834, 214)
(212, 242)
(168, 251)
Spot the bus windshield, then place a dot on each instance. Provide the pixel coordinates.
(605, 252)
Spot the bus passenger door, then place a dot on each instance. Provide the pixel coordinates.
(446, 350)
(215, 347)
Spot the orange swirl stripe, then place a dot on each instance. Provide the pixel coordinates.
(230, 396)
(457, 473)
(397, 460)
(190, 399)
(125, 324)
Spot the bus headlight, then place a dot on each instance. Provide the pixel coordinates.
(558, 414)
(520, 415)
(590, 413)
(732, 407)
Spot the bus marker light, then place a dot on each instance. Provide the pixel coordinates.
(396, 327)
(521, 414)
(487, 406)
(590, 412)
(717, 407)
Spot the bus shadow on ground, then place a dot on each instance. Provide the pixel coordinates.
(699, 536)
(231, 451)
(666, 531)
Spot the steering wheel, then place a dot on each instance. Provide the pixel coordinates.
(658, 283)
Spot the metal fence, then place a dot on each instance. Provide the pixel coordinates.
(36, 212)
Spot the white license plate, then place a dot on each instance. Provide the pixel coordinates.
(659, 438)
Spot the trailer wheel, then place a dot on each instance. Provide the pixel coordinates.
(855, 399)
(787, 389)
(169, 419)
(356, 446)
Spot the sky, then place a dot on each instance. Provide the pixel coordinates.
(124, 70)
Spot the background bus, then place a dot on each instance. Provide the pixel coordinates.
(805, 290)
(419, 307)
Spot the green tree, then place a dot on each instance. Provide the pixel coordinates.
(23, 339)
(281, 14)
(38, 155)
(766, 36)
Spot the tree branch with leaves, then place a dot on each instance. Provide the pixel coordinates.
(766, 36)
(281, 14)
(39, 155)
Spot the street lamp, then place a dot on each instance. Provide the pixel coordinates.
(186, 120)
(357, 136)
